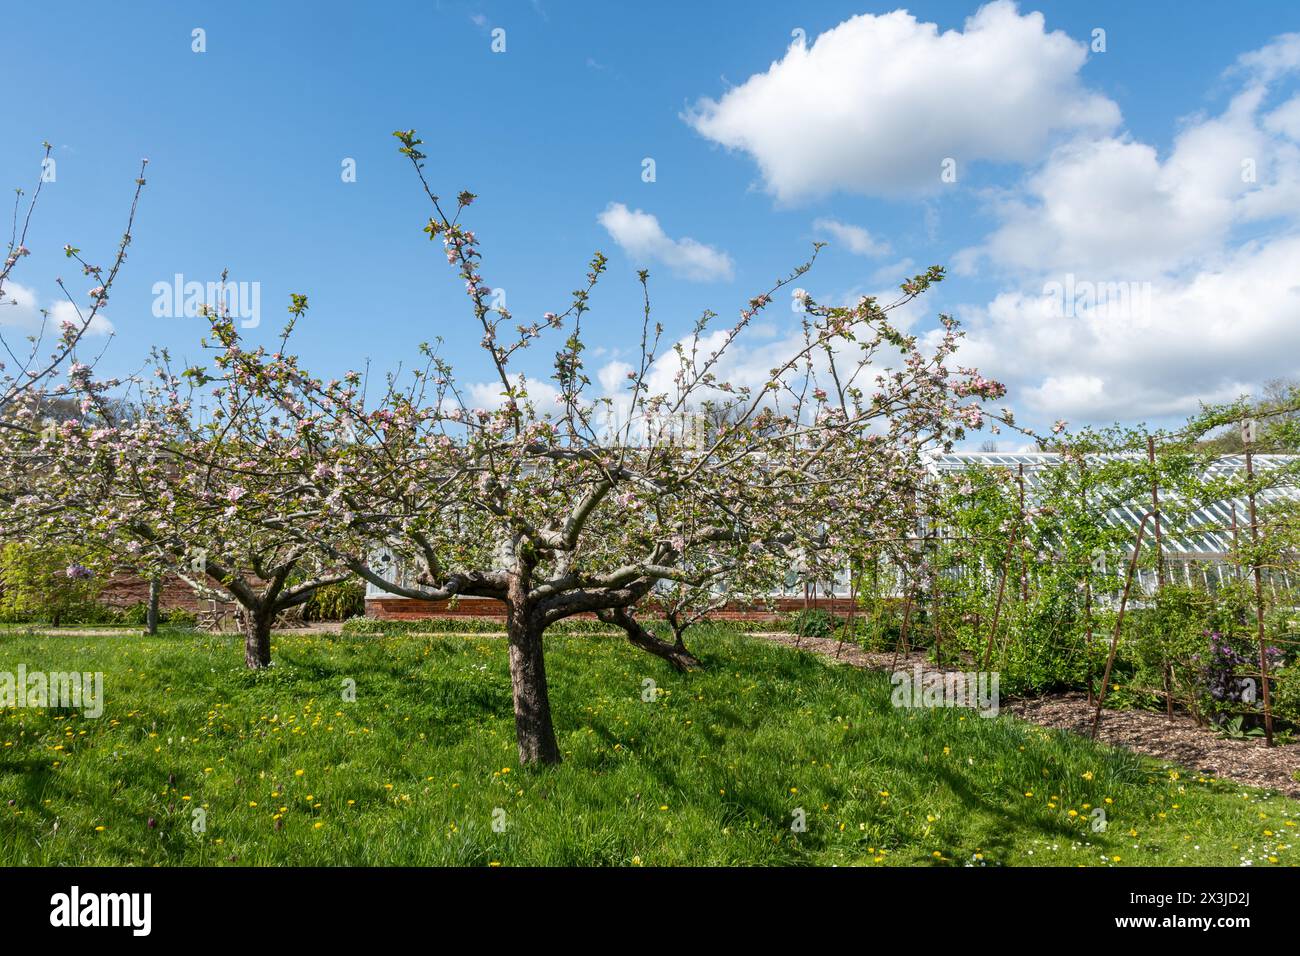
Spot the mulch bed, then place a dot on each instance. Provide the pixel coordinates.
(1179, 740)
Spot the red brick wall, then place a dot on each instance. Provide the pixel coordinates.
(404, 609)
(124, 590)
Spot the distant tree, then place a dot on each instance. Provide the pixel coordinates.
(1275, 407)
(49, 582)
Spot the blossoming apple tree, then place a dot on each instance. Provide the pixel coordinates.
(585, 503)
(182, 480)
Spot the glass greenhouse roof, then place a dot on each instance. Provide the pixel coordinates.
(1204, 531)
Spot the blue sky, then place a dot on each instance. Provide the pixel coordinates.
(1114, 166)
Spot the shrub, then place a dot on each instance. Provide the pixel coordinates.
(55, 584)
(812, 623)
(139, 614)
(336, 602)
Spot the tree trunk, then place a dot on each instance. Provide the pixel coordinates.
(679, 629)
(151, 615)
(257, 638)
(534, 731)
(675, 654)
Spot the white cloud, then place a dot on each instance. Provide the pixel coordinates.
(1285, 120)
(876, 104)
(20, 310)
(895, 272)
(1208, 336)
(1201, 241)
(63, 311)
(613, 376)
(541, 393)
(854, 238)
(749, 359)
(1111, 207)
(1273, 60)
(644, 240)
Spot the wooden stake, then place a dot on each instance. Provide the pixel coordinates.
(1259, 603)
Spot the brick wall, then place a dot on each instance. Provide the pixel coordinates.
(124, 590)
(405, 609)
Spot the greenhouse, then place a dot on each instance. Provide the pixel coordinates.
(1198, 539)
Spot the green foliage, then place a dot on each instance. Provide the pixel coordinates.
(1047, 649)
(1277, 410)
(49, 584)
(139, 614)
(813, 622)
(1169, 638)
(336, 602)
(1235, 729)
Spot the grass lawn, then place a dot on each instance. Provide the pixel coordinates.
(712, 772)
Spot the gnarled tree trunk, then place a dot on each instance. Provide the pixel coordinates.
(257, 638)
(533, 728)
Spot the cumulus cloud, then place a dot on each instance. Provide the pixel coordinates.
(1140, 283)
(1112, 206)
(1285, 120)
(639, 234)
(21, 310)
(613, 376)
(876, 104)
(542, 393)
(1160, 350)
(854, 238)
(1273, 60)
(749, 359)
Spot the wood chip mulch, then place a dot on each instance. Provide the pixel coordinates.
(1179, 741)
